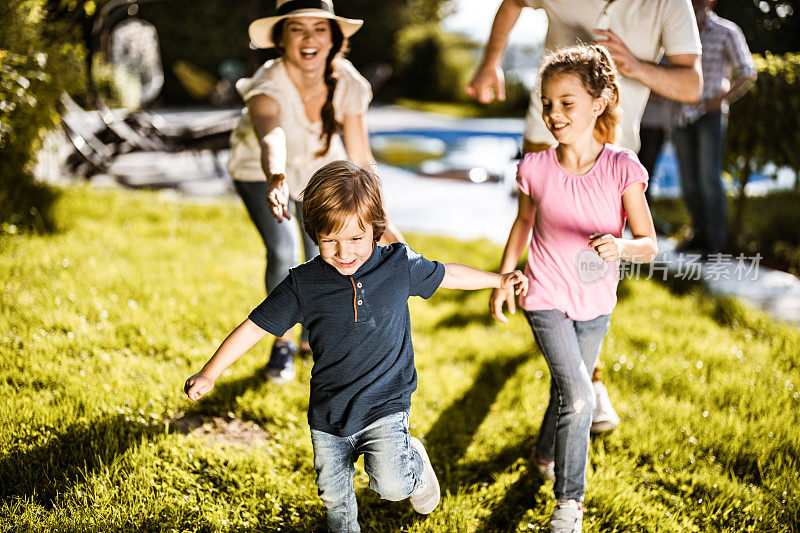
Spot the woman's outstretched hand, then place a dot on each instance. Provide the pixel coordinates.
(278, 197)
(197, 386)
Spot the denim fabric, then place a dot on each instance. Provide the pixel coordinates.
(699, 150)
(394, 468)
(571, 349)
(280, 238)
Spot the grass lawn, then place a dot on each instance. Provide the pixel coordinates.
(102, 321)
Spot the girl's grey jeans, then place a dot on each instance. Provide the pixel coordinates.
(571, 348)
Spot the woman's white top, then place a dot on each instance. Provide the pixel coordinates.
(303, 137)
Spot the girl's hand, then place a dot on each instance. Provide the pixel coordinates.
(606, 246)
(516, 278)
(278, 197)
(197, 386)
(505, 294)
(496, 300)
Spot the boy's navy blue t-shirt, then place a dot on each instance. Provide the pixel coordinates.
(359, 330)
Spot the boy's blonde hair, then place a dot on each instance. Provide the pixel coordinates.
(338, 190)
(592, 64)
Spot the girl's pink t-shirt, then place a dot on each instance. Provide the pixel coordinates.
(564, 272)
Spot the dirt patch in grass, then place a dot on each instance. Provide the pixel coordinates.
(227, 431)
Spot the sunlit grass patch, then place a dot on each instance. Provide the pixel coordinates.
(102, 321)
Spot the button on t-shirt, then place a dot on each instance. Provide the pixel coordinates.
(363, 356)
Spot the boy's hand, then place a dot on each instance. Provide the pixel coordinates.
(197, 386)
(606, 246)
(499, 296)
(505, 294)
(512, 279)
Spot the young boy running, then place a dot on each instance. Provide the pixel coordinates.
(353, 299)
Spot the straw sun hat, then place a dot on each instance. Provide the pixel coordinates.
(261, 29)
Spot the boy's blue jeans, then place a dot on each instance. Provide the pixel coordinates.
(571, 349)
(394, 468)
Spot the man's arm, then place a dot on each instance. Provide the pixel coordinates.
(488, 79)
(680, 80)
(744, 71)
(739, 86)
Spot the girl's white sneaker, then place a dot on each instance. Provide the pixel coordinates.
(567, 517)
(604, 416)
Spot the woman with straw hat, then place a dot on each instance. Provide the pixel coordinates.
(297, 107)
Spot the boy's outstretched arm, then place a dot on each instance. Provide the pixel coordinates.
(457, 276)
(232, 348)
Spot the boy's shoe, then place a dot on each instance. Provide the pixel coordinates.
(567, 517)
(604, 417)
(546, 469)
(280, 367)
(426, 498)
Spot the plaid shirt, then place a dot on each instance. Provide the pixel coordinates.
(724, 50)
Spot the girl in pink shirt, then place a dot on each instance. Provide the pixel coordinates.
(574, 200)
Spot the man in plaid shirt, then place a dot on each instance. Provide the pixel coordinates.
(699, 135)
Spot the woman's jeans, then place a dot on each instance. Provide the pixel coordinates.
(698, 147)
(394, 468)
(571, 348)
(280, 238)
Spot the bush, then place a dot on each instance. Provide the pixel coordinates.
(35, 67)
(756, 137)
(433, 64)
(118, 86)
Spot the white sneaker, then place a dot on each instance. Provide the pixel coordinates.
(567, 517)
(426, 498)
(604, 417)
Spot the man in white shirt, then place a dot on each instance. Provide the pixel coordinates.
(636, 33)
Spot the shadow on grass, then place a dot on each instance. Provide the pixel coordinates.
(521, 496)
(41, 472)
(454, 430)
(485, 471)
(462, 319)
(27, 204)
(223, 398)
(447, 442)
(623, 289)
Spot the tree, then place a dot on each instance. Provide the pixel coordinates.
(768, 25)
(755, 137)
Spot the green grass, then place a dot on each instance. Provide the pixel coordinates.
(102, 321)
